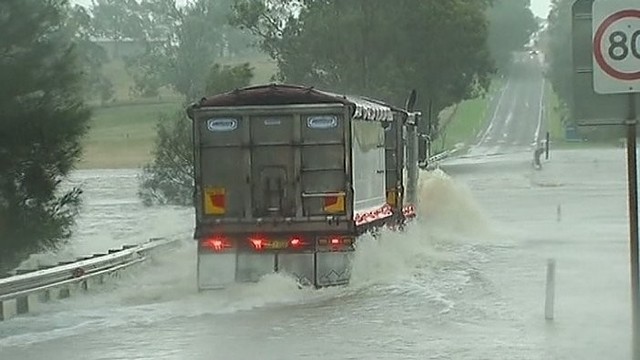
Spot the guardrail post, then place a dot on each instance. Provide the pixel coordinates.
(44, 296)
(64, 293)
(22, 305)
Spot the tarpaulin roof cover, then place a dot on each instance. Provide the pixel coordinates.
(283, 94)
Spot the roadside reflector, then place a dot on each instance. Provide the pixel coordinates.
(215, 201)
(334, 204)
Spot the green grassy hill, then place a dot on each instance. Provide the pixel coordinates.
(123, 132)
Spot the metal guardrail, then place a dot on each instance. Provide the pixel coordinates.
(436, 158)
(22, 285)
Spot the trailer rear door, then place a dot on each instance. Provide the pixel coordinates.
(272, 165)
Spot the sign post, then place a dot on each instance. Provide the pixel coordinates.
(606, 54)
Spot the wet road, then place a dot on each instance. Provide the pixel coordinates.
(516, 120)
(112, 215)
(466, 283)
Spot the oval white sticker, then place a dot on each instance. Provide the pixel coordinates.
(220, 125)
(272, 122)
(322, 122)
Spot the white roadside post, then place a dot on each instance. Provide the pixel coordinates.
(550, 289)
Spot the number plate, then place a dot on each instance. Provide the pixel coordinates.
(277, 244)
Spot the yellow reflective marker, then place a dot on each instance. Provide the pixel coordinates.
(214, 201)
(334, 204)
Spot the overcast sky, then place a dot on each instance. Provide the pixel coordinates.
(539, 7)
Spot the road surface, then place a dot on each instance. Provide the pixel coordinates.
(516, 115)
(466, 283)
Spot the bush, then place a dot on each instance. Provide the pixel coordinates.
(168, 180)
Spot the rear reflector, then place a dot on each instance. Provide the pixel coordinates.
(334, 204)
(215, 201)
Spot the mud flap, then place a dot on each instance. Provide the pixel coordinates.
(216, 271)
(251, 267)
(299, 266)
(333, 268)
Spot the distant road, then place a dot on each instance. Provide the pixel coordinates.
(516, 120)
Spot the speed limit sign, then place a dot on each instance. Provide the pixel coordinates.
(616, 46)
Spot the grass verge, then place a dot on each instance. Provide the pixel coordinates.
(554, 115)
(123, 136)
(466, 119)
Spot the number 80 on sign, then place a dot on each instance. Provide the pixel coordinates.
(616, 46)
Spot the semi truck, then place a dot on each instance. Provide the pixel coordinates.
(288, 178)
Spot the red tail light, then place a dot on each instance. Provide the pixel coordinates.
(258, 244)
(216, 244)
(298, 242)
(336, 242)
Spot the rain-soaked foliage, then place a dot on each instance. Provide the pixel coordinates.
(559, 50)
(377, 47)
(559, 70)
(168, 179)
(511, 24)
(43, 120)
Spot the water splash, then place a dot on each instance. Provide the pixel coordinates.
(447, 206)
(395, 262)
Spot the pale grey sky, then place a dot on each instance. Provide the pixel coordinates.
(540, 7)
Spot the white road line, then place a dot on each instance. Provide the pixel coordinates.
(495, 114)
(536, 136)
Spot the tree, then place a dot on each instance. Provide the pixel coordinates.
(511, 25)
(169, 178)
(370, 46)
(558, 54)
(181, 42)
(92, 55)
(43, 120)
(116, 20)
